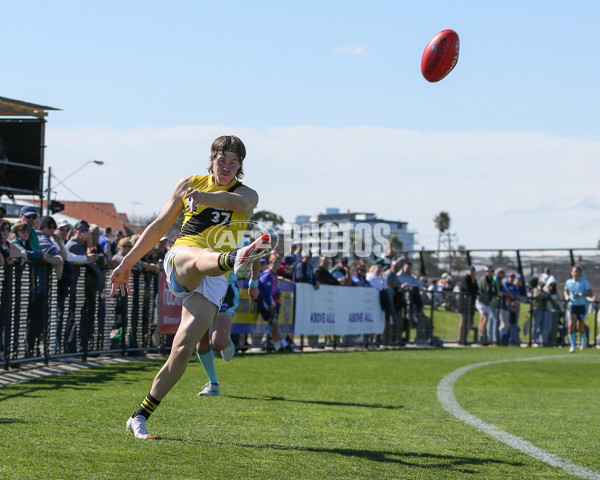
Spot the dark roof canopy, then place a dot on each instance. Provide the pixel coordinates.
(17, 108)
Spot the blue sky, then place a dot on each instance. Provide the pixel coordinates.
(331, 104)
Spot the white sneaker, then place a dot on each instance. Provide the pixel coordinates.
(572, 350)
(210, 390)
(583, 346)
(229, 351)
(246, 255)
(137, 426)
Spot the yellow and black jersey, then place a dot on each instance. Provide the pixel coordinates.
(209, 227)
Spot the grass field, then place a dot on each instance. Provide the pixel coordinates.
(345, 415)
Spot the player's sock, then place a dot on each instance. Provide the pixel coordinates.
(207, 359)
(573, 339)
(227, 260)
(147, 407)
(584, 338)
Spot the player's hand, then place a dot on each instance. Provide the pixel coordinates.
(191, 199)
(120, 280)
(253, 293)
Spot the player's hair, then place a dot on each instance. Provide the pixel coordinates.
(273, 257)
(578, 267)
(228, 143)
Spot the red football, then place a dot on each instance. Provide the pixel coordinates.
(440, 55)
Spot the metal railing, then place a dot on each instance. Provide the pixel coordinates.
(43, 317)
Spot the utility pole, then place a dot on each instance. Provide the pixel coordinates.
(48, 191)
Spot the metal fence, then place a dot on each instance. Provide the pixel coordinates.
(43, 317)
(528, 263)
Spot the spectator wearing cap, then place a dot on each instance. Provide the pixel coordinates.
(29, 215)
(468, 295)
(303, 271)
(487, 305)
(162, 247)
(341, 271)
(79, 252)
(64, 228)
(375, 275)
(38, 292)
(77, 246)
(51, 243)
(388, 258)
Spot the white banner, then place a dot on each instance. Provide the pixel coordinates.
(334, 310)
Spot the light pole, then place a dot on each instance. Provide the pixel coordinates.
(60, 182)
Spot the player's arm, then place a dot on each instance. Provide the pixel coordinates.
(150, 237)
(589, 294)
(253, 291)
(243, 200)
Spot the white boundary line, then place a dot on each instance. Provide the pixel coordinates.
(445, 393)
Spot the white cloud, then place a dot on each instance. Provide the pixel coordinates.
(502, 189)
(356, 50)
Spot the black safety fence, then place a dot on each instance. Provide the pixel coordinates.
(44, 316)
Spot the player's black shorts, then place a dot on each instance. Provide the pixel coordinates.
(578, 310)
(230, 301)
(264, 311)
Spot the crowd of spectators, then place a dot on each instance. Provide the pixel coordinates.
(73, 252)
(496, 297)
(85, 251)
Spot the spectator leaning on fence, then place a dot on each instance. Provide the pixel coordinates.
(303, 272)
(341, 271)
(359, 276)
(487, 305)
(322, 274)
(468, 295)
(38, 289)
(77, 246)
(29, 216)
(8, 250)
(375, 275)
(542, 305)
(51, 244)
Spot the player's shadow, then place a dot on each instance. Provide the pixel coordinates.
(6, 421)
(429, 461)
(273, 398)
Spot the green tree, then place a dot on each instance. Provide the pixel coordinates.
(266, 216)
(395, 243)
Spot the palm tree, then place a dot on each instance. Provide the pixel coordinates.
(442, 223)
